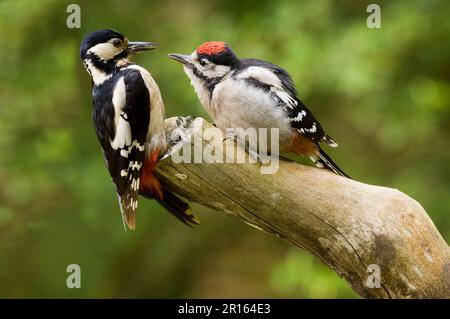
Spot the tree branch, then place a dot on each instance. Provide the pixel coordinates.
(348, 225)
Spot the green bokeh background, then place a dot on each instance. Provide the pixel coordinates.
(383, 94)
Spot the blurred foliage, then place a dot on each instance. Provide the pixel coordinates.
(383, 94)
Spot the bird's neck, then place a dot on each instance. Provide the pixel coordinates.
(101, 70)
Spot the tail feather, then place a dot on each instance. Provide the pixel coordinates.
(323, 160)
(179, 208)
(128, 212)
(329, 141)
(151, 187)
(175, 205)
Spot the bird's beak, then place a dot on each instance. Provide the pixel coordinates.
(183, 58)
(136, 47)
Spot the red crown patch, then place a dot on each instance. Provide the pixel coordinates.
(212, 48)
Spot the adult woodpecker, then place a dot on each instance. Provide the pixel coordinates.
(128, 114)
(246, 93)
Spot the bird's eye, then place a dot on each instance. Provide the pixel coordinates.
(117, 43)
(203, 62)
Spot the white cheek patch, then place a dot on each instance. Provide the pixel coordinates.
(216, 71)
(212, 72)
(105, 51)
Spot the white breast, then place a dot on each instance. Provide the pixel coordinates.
(155, 135)
(238, 105)
(199, 88)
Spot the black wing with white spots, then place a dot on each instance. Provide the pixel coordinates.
(121, 118)
(278, 82)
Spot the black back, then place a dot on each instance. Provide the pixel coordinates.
(308, 120)
(137, 110)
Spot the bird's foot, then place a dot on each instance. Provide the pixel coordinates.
(185, 122)
(230, 136)
(253, 156)
(178, 135)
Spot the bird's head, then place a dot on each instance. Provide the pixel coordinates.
(210, 61)
(106, 50)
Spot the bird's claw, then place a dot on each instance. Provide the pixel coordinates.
(179, 134)
(253, 154)
(185, 122)
(230, 136)
(166, 154)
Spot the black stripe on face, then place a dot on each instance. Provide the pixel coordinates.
(199, 74)
(210, 83)
(106, 66)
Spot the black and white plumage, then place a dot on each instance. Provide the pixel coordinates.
(121, 118)
(245, 93)
(128, 114)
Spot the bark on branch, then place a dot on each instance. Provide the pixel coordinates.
(348, 225)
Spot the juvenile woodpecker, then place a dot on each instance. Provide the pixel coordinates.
(128, 114)
(246, 93)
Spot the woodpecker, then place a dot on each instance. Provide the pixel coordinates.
(128, 114)
(245, 93)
